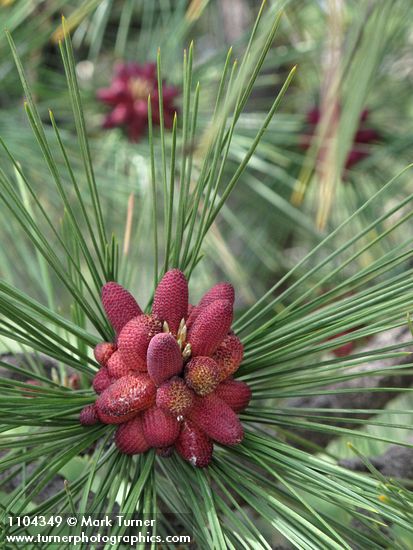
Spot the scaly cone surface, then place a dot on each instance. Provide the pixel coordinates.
(167, 379)
(119, 305)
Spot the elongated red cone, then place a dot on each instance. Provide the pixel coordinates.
(116, 366)
(101, 380)
(170, 302)
(103, 351)
(220, 291)
(124, 398)
(129, 438)
(174, 396)
(133, 341)
(164, 358)
(202, 375)
(120, 306)
(228, 356)
(214, 417)
(210, 328)
(159, 427)
(194, 445)
(235, 393)
(88, 415)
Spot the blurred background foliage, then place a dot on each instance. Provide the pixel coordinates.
(351, 56)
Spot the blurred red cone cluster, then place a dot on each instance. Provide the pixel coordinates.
(127, 96)
(363, 138)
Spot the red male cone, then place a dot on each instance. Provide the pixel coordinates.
(193, 445)
(219, 422)
(174, 396)
(220, 291)
(129, 437)
(170, 302)
(88, 415)
(235, 393)
(134, 339)
(164, 358)
(116, 366)
(210, 328)
(228, 356)
(101, 380)
(119, 304)
(124, 398)
(103, 351)
(159, 427)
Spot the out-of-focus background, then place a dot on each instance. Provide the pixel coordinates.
(342, 130)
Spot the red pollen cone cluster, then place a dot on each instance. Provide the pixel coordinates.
(167, 379)
(363, 138)
(128, 94)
